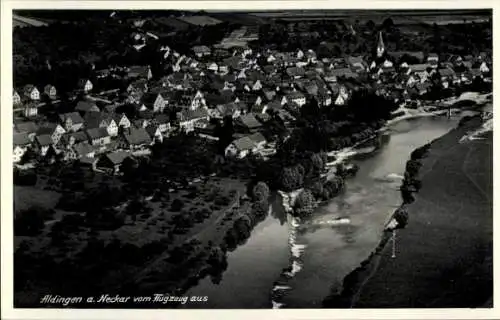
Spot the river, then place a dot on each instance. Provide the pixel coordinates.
(322, 254)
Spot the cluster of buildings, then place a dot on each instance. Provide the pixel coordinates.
(213, 83)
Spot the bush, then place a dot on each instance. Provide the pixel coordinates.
(304, 204)
(401, 216)
(260, 192)
(176, 205)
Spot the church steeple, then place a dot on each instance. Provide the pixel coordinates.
(380, 46)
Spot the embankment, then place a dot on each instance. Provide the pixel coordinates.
(443, 258)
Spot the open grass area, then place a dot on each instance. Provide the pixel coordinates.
(444, 255)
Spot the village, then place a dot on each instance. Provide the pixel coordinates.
(227, 80)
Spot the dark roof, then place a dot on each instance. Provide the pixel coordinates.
(199, 113)
(162, 118)
(137, 136)
(21, 139)
(117, 157)
(48, 128)
(138, 71)
(29, 127)
(83, 148)
(295, 71)
(85, 106)
(44, 139)
(74, 116)
(257, 137)
(97, 133)
(244, 143)
(151, 130)
(248, 120)
(94, 119)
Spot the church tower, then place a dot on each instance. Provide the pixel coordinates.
(380, 46)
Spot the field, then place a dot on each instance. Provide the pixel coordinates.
(444, 255)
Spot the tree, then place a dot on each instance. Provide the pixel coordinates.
(292, 177)
(30, 222)
(304, 204)
(177, 205)
(260, 192)
(370, 25)
(388, 23)
(401, 216)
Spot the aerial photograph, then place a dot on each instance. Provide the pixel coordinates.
(273, 159)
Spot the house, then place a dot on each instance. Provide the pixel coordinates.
(138, 86)
(139, 72)
(241, 147)
(296, 97)
(71, 138)
(201, 51)
(98, 136)
(135, 139)
(71, 121)
(154, 133)
(295, 72)
(50, 91)
(323, 99)
(248, 122)
(259, 140)
(84, 150)
(357, 63)
(54, 130)
(484, 67)
(30, 110)
(112, 161)
(31, 92)
(213, 67)
(16, 98)
(85, 85)
(42, 143)
(229, 109)
(121, 120)
(161, 101)
(21, 142)
(101, 120)
(433, 60)
(342, 96)
(30, 128)
(421, 70)
(85, 106)
(188, 118)
(162, 121)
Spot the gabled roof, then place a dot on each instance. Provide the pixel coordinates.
(295, 95)
(74, 116)
(83, 148)
(138, 71)
(117, 157)
(28, 89)
(446, 72)
(162, 118)
(248, 120)
(44, 139)
(137, 136)
(97, 133)
(244, 143)
(419, 67)
(199, 113)
(47, 128)
(94, 119)
(28, 127)
(21, 139)
(295, 72)
(257, 137)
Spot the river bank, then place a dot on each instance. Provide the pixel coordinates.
(448, 241)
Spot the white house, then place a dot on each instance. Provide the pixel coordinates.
(85, 85)
(484, 67)
(31, 92)
(296, 97)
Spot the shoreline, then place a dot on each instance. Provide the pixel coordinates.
(357, 279)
